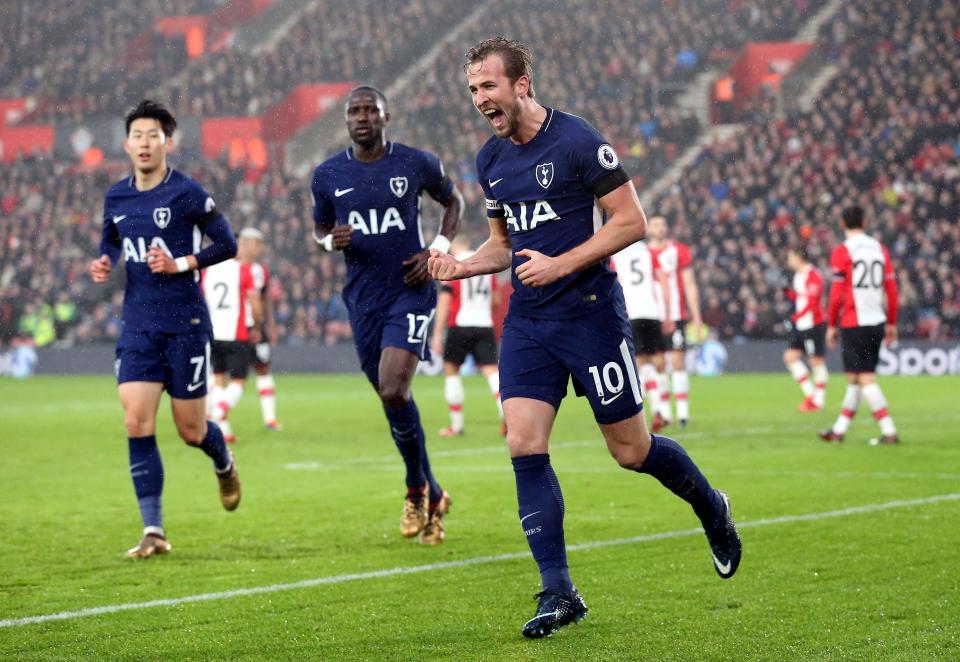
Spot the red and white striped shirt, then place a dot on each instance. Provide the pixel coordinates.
(261, 277)
(225, 287)
(807, 292)
(637, 268)
(862, 274)
(673, 258)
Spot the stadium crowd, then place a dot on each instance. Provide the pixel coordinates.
(332, 41)
(84, 65)
(883, 133)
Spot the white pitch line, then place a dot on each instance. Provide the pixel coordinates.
(316, 465)
(768, 473)
(755, 431)
(463, 563)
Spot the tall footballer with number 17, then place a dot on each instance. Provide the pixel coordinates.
(543, 173)
(367, 205)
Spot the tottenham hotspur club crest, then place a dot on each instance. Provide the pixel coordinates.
(161, 216)
(398, 185)
(544, 173)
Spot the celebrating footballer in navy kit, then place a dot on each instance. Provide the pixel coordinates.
(154, 221)
(544, 172)
(367, 204)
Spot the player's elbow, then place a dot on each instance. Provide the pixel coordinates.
(230, 246)
(456, 204)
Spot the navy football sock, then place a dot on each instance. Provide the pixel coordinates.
(214, 445)
(146, 469)
(540, 504)
(670, 464)
(406, 430)
(436, 492)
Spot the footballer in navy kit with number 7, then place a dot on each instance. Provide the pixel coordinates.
(154, 221)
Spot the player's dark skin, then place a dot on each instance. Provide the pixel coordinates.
(367, 117)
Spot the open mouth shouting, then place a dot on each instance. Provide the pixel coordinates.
(496, 117)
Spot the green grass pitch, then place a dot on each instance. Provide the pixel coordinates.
(322, 499)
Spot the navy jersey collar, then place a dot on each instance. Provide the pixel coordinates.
(540, 132)
(132, 179)
(389, 151)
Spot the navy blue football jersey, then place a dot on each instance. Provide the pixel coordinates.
(172, 216)
(546, 189)
(381, 202)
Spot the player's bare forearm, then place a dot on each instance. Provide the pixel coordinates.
(443, 310)
(256, 308)
(269, 319)
(268, 313)
(339, 237)
(692, 293)
(100, 269)
(162, 263)
(626, 224)
(493, 256)
(440, 322)
(833, 305)
(452, 212)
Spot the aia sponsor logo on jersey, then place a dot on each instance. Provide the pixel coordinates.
(374, 225)
(137, 252)
(521, 218)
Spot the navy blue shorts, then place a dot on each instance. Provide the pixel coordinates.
(538, 357)
(404, 325)
(177, 360)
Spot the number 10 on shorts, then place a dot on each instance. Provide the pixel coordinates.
(609, 379)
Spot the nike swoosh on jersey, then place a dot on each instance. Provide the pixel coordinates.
(724, 568)
(194, 387)
(605, 401)
(492, 183)
(340, 192)
(117, 219)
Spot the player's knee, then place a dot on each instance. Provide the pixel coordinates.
(138, 426)
(192, 432)
(525, 441)
(393, 395)
(630, 456)
(630, 453)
